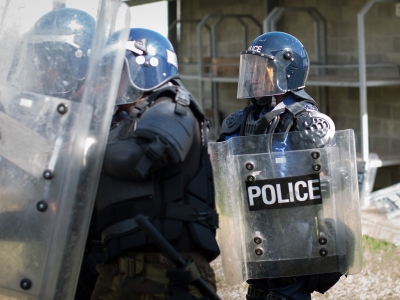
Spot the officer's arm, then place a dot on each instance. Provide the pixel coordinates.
(122, 158)
(162, 137)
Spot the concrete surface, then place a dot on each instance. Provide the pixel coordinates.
(378, 226)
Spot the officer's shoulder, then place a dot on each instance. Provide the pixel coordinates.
(233, 121)
(173, 93)
(305, 99)
(172, 104)
(170, 91)
(308, 105)
(313, 118)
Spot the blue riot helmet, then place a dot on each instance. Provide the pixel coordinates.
(275, 63)
(150, 62)
(54, 54)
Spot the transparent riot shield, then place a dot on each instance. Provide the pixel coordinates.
(59, 75)
(288, 205)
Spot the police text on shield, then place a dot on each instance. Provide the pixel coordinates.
(284, 192)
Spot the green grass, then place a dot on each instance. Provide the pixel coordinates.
(373, 245)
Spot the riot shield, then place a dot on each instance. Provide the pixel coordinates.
(59, 74)
(288, 205)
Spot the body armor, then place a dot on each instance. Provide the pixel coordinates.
(177, 198)
(298, 116)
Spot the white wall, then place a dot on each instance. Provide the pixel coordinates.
(153, 16)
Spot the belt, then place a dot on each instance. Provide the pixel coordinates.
(133, 266)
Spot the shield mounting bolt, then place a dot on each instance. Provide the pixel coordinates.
(25, 284)
(315, 154)
(62, 108)
(322, 241)
(48, 174)
(323, 252)
(249, 166)
(251, 178)
(41, 206)
(257, 240)
(316, 167)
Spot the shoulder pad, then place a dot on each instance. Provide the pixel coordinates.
(320, 121)
(301, 94)
(309, 106)
(182, 97)
(233, 122)
(317, 126)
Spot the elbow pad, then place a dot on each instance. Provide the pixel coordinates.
(133, 158)
(121, 158)
(174, 127)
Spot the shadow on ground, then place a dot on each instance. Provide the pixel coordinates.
(379, 279)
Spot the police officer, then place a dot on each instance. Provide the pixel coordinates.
(54, 55)
(273, 74)
(156, 164)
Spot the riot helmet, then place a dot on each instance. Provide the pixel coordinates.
(150, 62)
(54, 55)
(275, 63)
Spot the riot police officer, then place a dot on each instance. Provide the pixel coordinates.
(54, 55)
(273, 74)
(156, 164)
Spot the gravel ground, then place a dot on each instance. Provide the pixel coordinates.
(379, 279)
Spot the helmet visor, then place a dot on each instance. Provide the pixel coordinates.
(128, 92)
(49, 68)
(260, 76)
(149, 71)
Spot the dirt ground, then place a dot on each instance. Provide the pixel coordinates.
(379, 279)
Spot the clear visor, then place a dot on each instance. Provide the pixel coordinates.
(48, 68)
(128, 91)
(67, 38)
(260, 76)
(149, 71)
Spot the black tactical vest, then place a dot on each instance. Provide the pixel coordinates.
(177, 199)
(301, 115)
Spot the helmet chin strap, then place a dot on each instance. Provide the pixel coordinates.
(273, 102)
(267, 100)
(270, 101)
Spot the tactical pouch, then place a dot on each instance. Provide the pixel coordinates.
(133, 266)
(179, 284)
(255, 294)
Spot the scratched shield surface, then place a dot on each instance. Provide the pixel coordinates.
(292, 207)
(51, 144)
